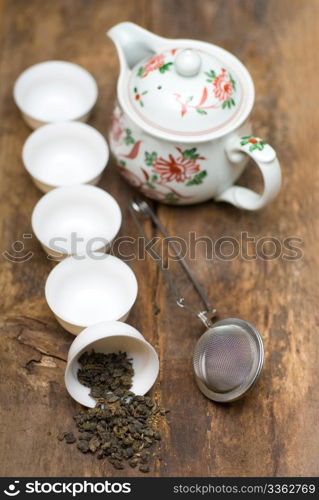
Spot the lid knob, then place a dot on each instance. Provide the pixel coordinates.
(188, 62)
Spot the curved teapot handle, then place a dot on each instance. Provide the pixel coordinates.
(266, 160)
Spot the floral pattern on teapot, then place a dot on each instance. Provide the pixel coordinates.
(155, 63)
(220, 94)
(157, 172)
(170, 102)
(253, 143)
(223, 89)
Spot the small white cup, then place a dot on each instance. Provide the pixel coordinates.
(55, 91)
(112, 336)
(76, 220)
(64, 154)
(84, 290)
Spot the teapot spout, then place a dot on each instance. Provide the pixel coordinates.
(133, 43)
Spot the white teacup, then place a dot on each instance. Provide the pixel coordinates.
(64, 154)
(55, 91)
(76, 220)
(112, 336)
(84, 290)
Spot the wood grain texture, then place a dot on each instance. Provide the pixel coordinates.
(273, 431)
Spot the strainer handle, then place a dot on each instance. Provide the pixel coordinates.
(193, 279)
(204, 316)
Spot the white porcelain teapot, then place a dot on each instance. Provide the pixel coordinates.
(180, 131)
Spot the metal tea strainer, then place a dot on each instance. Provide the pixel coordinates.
(228, 357)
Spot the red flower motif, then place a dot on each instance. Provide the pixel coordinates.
(153, 64)
(222, 86)
(175, 169)
(116, 127)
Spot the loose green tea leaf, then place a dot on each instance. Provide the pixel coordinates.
(122, 427)
(69, 437)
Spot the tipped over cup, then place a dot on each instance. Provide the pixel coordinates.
(107, 337)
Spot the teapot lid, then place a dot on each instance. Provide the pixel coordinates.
(196, 93)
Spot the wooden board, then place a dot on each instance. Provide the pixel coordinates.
(273, 431)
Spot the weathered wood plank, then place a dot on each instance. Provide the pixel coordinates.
(273, 430)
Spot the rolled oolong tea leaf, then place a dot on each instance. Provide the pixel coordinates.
(83, 445)
(122, 427)
(105, 373)
(61, 436)
(144, 468)
(68, 437)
